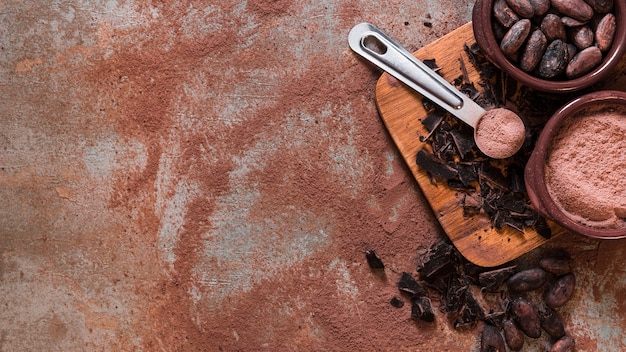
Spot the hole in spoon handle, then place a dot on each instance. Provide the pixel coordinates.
(375, 46)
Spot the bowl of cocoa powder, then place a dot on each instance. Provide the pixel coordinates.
(552, 45)
(576, 174)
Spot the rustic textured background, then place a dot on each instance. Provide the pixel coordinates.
(206, 175)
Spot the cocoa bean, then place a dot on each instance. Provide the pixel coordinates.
(560, 291)
(515, 37)
(540, 7)
(582, 37)
(605, 32)
(527, 280)
(576, 9)
(512, 335)
(601, 6)
(572, 50)
(491, 340)
(522, 7)
(570, 22)
(554, 60)
(534, 50)
(504, 14)
(551, 322)
(583, 62)
(526, 317)
(556, 266)
(564, 344)
(553, 27)
(498, 30)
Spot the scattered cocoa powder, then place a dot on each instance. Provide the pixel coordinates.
(586, 169)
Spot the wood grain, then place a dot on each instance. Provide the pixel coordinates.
(401, 110)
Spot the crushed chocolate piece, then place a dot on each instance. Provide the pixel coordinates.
(434, 165)
(491, 281)
(432, 64)
(409, 285)
(499, 185)
(396, 302)
(374, 260)
(455, 296)
(421, 309)
(470, 312)
(441, 261)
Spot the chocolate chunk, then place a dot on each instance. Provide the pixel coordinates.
(374, 260)
(396, 302)
(470, 311)
(441, 261)
(432, 120)
(492, 280)
(467, 173)
(421, 309)
(542, 228)
(434, 165)
(463, 141)
(409, 285)
(432, 64)
(456, 293)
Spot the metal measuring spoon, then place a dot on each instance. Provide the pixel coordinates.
(499, 133)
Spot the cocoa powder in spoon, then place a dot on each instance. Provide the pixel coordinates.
(586, 169)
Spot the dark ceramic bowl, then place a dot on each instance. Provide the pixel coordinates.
(482, 25)
(534, 173)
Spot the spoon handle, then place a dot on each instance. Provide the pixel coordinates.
(375, 46)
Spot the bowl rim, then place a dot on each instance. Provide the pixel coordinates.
(534, 172)
(483, 33)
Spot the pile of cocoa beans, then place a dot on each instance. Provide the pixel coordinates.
(526, 317)
(554, 39)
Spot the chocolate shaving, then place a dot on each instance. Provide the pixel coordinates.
(496, 187)
(374, 260)
(434, 165)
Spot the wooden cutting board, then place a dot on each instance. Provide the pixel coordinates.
(401, 110)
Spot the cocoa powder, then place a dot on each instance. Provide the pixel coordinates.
(499, 133)
(586, 168)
